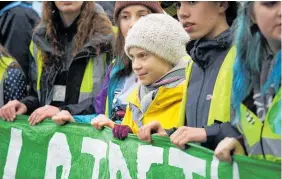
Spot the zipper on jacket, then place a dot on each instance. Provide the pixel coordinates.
(199, 96)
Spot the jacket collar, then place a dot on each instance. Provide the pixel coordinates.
(205, 52)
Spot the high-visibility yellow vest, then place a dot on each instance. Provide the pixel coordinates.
(262, 139)
(89, 77)
(221, 97)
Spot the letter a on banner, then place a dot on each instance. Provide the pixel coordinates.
(97, 149)
(58, 154)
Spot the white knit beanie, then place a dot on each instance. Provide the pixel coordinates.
(159, 34)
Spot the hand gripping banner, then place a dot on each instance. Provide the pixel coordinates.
(77, 151)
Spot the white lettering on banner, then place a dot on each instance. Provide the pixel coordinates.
(235, 171)
(147, 155)
(117, 162)
(189, 163)
(58, 154)
(214, 168)
(14, 151)
(98, 149)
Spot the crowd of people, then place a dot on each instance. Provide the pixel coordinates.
(203, 72)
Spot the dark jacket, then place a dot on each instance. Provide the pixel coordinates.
(69, 73)
(16, 25)
(208, 56)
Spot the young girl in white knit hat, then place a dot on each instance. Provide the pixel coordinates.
(156, 46)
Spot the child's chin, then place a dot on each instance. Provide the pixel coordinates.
(143, 82)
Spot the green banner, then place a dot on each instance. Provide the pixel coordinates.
(79, 151)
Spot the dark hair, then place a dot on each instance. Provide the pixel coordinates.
(231, 12)
(90, 23)
(121, 57)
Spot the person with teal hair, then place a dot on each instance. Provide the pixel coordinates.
(256, 89)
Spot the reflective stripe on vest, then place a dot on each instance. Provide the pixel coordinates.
(92, 78)
(5, 62)
(39, 66)
(87, 82)
(221, 97)
(262, 140)
(184, 100)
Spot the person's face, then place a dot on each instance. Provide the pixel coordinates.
(267, 16)
(147, 66)
(129, 15)
(199, 18)
(68, 7)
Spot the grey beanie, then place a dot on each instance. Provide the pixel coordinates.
(159, 34)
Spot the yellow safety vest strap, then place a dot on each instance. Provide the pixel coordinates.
(221, 97)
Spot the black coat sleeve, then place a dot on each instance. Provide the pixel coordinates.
(217, 132)
(31, 101)
(84, 107)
